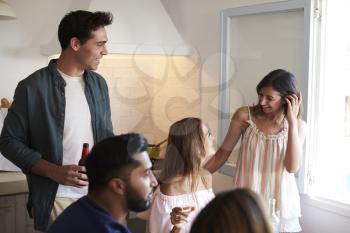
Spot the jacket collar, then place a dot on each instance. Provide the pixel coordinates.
(58, 78)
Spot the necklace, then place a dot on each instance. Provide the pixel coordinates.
(278, 125)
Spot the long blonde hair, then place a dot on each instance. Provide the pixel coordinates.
(184, 152)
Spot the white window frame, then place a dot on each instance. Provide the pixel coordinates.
(315, 87)
(224, 91)
(311, 71)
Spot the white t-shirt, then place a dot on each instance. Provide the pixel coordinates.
(77, 130)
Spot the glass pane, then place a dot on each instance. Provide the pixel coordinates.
(259, 44)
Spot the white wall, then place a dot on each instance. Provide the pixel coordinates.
(322, 217)
(34, 31)
(198, 22)
(138, 26)
(21, 39)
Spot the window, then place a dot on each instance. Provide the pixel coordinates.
(329, 106)
(319, 56)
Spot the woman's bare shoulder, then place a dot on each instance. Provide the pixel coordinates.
(241, 114)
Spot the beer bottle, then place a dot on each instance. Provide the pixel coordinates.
(84, 154)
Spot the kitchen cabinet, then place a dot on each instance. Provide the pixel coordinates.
(13, 214)
(13, 200)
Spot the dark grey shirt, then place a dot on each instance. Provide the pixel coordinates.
(33, 130)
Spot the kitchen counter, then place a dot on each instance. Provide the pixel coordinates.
(12, 183)
(15, 182)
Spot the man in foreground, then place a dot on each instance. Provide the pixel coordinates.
(120, 180)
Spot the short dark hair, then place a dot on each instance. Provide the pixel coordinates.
(80, 24)
(113, 158)
(238, 210)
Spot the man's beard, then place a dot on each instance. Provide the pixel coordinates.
(135, 201)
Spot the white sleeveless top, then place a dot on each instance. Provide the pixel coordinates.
(260, 167)
(159, 220)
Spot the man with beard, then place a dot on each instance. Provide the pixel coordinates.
(120, 180)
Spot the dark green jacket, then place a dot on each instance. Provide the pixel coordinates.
(33, 130)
